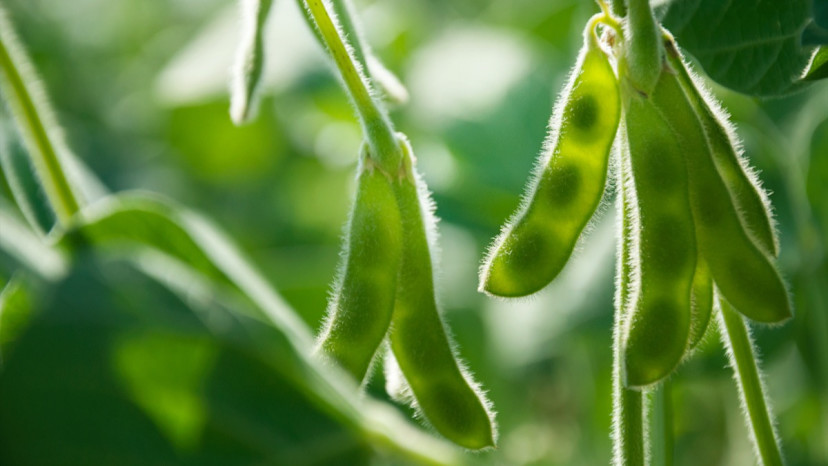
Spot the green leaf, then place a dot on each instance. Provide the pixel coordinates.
(15, 313)
(191, 256)
(818, 69)
(821, 13)
(750, 46)
(112, 350)
(130, 219)
(25, 189)
(20, 242)
(247, 71)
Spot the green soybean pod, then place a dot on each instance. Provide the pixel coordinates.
(743, 273)
(748, 197)
(642, 56)
(247, 70)
(568, 183)
(359, 311)
(443, 391)
(658, 326)
(701, 302)
(628, 404)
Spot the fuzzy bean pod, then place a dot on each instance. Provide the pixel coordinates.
(360, 308)
(247, 71)
(628, 404)
(442, 390)
(568, 182)
(658, 325)
(743, 273)
(701, 302)
(642, 56)
(748, 197)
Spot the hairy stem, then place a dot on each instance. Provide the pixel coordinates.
(379, 131)
(20, 89)
(644, 48)
(742, 358)
(344, 13)
(618, 8)
(661, 422)
(628, 419)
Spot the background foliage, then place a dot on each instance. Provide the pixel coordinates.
(115, 367)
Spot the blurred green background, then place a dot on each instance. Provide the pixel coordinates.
(141, 90)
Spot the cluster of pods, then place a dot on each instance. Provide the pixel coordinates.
(386, 290)
(695, 228)
(694, 221)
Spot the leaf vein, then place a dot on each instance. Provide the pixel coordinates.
(747, 44)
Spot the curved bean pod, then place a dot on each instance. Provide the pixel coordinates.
(658, 325)
(443, 391)
(741, 271)
(701, 302)
(360, 308)
(568, 183)
(247, 70)
(748, 197)
(628, 404)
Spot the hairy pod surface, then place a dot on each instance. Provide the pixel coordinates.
(658, 325)
(360, 308)
(568, 183)
(743, 273)
(642, 56)
(748, 197)
(701, 304)
(442, 390)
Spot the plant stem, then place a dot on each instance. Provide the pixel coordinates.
(32, 116)
(618, 8)
(644, 48)
(628, 407)
(628, 420)
(343, 11)
(742, 358)
(379, 131)
(661, 423)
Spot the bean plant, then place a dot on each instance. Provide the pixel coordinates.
(697, 258)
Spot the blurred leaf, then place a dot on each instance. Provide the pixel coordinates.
(750, 46)
(821, 12)
(150, 220)
(817, 179)
(247, 70)
(20, 242)
(25, 188)
(814, 34)
(167, 387)
(219, 152)
(15, 313)
(69, 388)
(201, 254)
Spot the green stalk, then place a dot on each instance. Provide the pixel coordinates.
(19, 86)
(346, 22)
(742, 358)
(644, 48)
(344, 14)
(628, 407)
(378, 130)
(628, 419)
(661, 422)
(618, 8)
(377, 74)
